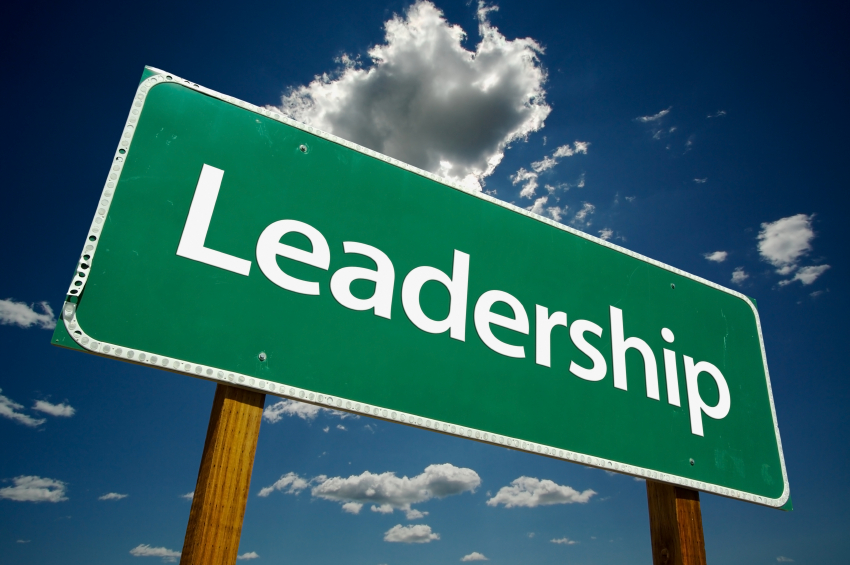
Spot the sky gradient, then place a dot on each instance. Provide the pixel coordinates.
(709, 137)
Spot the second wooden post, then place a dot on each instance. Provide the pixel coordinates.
(218, 507)
(675, 525)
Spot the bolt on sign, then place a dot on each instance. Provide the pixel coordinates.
(233, 244)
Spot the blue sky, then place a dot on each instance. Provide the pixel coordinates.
(710, 137)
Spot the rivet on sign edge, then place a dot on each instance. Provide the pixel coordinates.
(142, 92)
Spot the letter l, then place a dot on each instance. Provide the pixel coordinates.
(198, 223)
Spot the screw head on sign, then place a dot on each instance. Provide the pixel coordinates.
(262, 356)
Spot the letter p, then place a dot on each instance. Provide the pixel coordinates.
(695, 403)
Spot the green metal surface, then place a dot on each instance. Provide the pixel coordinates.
(141, 294)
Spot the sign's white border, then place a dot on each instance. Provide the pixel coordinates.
(302, 395)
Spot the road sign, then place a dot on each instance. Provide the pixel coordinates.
(234, 244)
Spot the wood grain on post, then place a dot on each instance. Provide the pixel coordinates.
(218, 507)
(675, 525)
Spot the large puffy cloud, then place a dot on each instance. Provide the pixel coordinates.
(34, 489)
(426, 100)
(11, 410)
(145, 550)
(25, 316)
(385, 492)
(419, 533)
(531, 492)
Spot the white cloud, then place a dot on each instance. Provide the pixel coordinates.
(654, 117)
(188, 495)
(807, 275)
(145, 550)
(716, 256)
(352, 507)
(248, 555)
(9, 409)
(530, 492)
(382, 509)
(387, 492)
(783, 559)
(112, 496)
(784, 242)
(702, 180)
(474, 556)
(563, 151)
(426, 100)
(341, 427)
(739, 276)
(62, 410)
(275, 413)
(23, 315)
(420, 533)
(564, 541)
(531, 534)
(23, 541)
(606, 234)
(414, 514)
(539, 207)
(581, 218)
(631, 198)
(530, 180)
(717, 114)
(292, 483)
(34, 489)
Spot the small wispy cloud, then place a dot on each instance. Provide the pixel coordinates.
(145, 550)
(563, 541)
(275, 413)
(420, 533)
(291, 483)
(701, 181)
(188, 495)
(30, 488)
(60, 410)
(474, 556)
(717, 114)
(530, 492)
(112, 496)
(783, 559)
(248, 555)
(654, 117)
(716, 256)
(540, 207)
(528, 179)
(24, 315)
(12, 410)
(582, 217)
(739, 276)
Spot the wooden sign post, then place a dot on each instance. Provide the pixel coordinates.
(675, 525)
(218, 507)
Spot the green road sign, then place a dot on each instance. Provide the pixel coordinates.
(233, 244)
